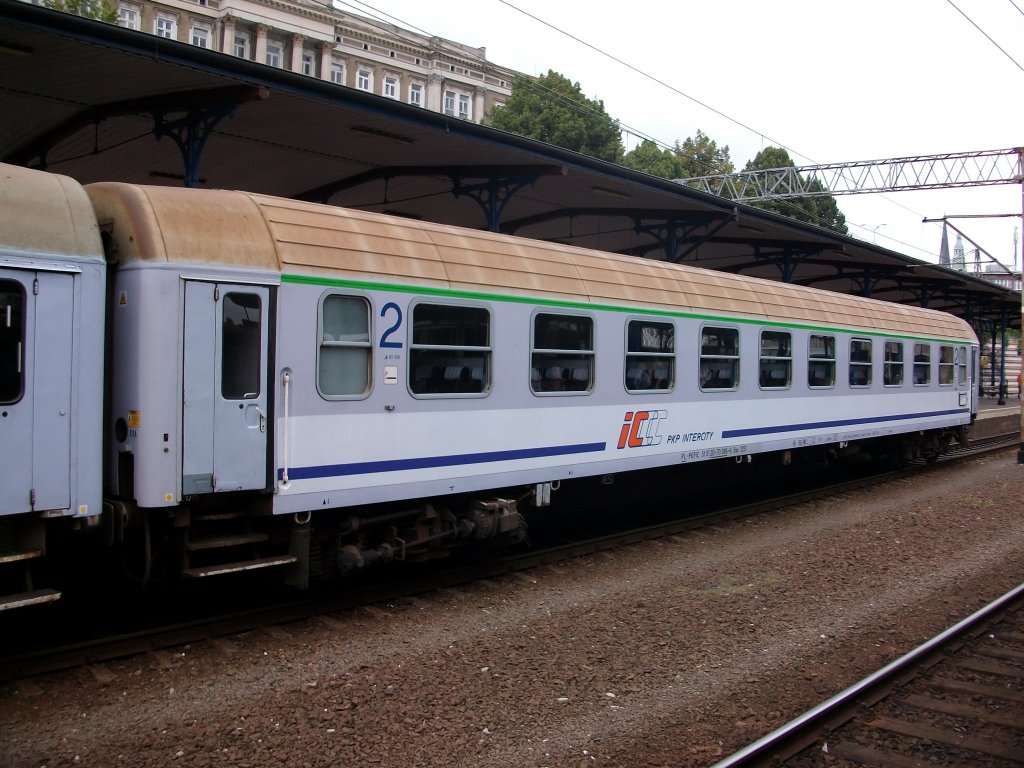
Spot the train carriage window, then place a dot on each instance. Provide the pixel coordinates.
(650, 356)
(961, 365)
(922, 365)
(892, 370)
(450, 353)
(776, 369)
(343, 366)
(821, 362)
(946, 365)
(860, 362)
(241, 342)
(719, 358)
(562, 359)
(12, 341)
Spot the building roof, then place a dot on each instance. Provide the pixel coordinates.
(100, 103)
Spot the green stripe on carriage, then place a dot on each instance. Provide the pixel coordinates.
(452, 293)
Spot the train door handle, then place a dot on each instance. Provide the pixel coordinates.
(261, 416)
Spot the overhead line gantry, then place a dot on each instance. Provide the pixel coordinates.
(947, 171)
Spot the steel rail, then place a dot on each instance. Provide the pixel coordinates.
(110, 648)
(767, 747)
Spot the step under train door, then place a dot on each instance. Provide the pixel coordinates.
(36, 338)
(224, 396)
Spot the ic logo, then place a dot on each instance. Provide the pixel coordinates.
(641, 428)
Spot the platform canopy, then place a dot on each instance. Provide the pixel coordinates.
(101, 103)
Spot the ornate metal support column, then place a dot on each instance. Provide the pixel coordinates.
(190, 133)
(492, 195)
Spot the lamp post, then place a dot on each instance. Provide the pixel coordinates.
(874, 231)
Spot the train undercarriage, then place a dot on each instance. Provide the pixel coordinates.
(222, 534)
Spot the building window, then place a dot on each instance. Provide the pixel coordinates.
(892, 367)
(307, 63)
(364, 80)
(273, 55)
(450, 353)
(343, 365)
(337, 73)
(242, 46)
(946, 365)
(12, 341)
(650, 356)
(165, 26)
(922, 365)
(416, 94)
(719, 358)
(391, 86)
(776, 368)
(465, 112)
(449, 103)
(821, 362)
(200, 36)
(128, 17)
(562, 355)
(860, 362)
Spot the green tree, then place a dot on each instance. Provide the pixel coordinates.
(697, 156)
(650, 158)
(820, 210)
(700, 156)
(551, 108)
(101, 10)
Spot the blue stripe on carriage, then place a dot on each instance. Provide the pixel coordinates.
(839, 423)
(429, 462)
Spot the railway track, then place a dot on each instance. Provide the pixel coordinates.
(956, 700)
(94, 651)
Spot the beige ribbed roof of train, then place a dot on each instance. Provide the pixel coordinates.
(253, 231)
(47, 215)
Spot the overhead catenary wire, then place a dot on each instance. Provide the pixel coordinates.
(361, 7)
(987, 35)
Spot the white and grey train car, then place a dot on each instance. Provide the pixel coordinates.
(403, 385)
(52, 274)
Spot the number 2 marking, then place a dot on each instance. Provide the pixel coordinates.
(394, 327)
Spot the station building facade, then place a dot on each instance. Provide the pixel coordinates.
(320, 41)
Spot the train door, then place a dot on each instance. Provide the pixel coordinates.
(224, 397)
(36, 311)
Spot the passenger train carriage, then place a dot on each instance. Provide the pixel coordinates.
(289, 384)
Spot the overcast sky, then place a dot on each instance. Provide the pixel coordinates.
(830, 81)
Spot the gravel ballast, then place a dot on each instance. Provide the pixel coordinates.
(672, 653)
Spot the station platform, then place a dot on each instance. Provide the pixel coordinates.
(994, 419)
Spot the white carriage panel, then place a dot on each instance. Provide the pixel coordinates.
(87, 391)
(147, 380)
(51, 382)
(361, 448)
(17, 311)
(63, 358)
(453, 451)
(198, 376)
